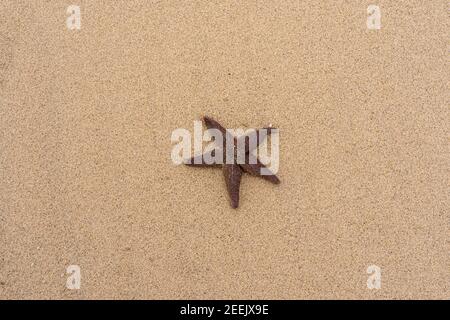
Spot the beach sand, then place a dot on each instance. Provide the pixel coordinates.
(86, 176)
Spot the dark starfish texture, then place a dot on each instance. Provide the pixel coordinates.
(233, 171)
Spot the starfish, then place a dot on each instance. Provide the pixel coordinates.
(233, 171)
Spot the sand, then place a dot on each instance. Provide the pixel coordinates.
(86, 176)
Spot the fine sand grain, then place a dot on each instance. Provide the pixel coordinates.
(86, 176)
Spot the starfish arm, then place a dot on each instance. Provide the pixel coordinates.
(232, 174)
(226, 135)
(199, 161)
(260, 137)
(255, 169)
(213, 124)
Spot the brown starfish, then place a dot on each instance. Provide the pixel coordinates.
(233, 171)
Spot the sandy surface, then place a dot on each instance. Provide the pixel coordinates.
(86, 176)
